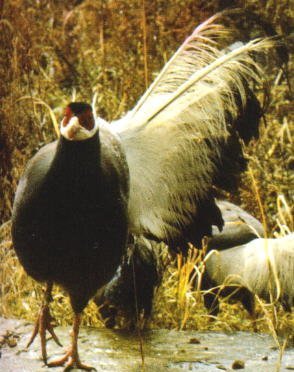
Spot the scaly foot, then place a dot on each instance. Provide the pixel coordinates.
(44, 323)
(73, 361)
(72, 356)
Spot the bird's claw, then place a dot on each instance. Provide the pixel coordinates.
(43, 324)
(73, 362)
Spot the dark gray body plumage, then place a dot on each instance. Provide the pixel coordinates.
(69, 222)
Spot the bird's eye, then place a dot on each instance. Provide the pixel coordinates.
(86, 119)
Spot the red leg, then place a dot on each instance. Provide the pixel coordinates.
(44, 323)
(72, 356)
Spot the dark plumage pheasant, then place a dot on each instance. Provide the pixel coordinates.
(70, 214)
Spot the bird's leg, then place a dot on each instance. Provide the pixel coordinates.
(44, 323)
(72, 356)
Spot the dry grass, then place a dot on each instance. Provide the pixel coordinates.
(179, 304)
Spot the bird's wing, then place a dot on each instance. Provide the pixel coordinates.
(171, 138)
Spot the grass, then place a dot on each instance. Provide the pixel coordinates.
(179, 305)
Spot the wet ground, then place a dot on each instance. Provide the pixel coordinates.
(164, 350)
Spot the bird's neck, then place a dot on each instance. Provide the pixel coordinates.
(77, 156)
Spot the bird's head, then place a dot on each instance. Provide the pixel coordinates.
(78, 123)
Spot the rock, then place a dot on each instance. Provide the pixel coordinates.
(238, 364)
(220, 366)
(2, 340)
(194, 340)
(11, 342)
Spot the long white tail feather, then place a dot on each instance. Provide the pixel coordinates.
(171, 136)
(186, 62)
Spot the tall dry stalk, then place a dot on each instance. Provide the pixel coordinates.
(145, 49)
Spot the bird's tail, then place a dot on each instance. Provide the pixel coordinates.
(173, 136)
(198, 74)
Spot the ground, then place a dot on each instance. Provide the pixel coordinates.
(164, 350)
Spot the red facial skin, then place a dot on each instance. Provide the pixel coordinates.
(86, 118)
(68, 114)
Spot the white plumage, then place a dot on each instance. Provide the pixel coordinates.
(171, 138)
(264, 266)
